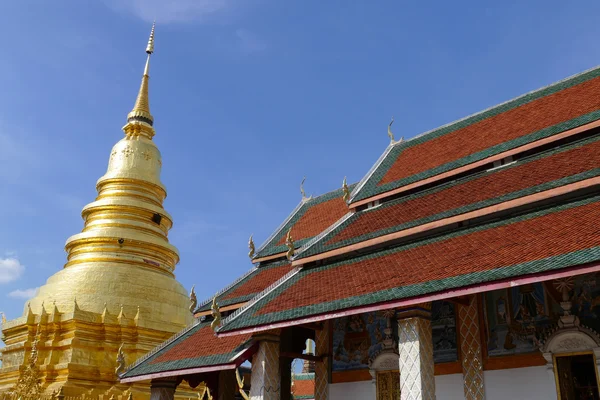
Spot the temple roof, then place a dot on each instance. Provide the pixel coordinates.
(564, 105)
(304, 386)
(311, 217)
(195, 347)
(250, 284)
(547, 239)
(555, 167)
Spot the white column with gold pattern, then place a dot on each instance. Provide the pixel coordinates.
(415, 349)
(265, 381)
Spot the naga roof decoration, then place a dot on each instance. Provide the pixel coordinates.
(196, 347)
(521, 245)
(564, 105)
(528, 175)
(311, 217)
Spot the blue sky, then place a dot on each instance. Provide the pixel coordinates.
(248, 97)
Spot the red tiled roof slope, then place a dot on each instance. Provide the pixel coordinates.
(259, 281)
(549, 235)
(304, 388)
(489, 186)
(530, 117)
(318, 218)
(201, 343)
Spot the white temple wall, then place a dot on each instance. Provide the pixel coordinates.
(447, 387)
(531, 383)
(352, 390)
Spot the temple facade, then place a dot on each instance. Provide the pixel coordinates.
(116, 298)
(464, 265)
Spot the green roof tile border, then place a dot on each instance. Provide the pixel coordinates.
(146, 367)
(526, 268)
(368, 187)
(319, 246)
(270, 247)
(205, 305)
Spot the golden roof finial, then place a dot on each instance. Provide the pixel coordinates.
(289, 242)
(3, 318)
(141, 109)
(120, 361)
(193, 299)
(251, 247)
(214, 310)
(346, 191)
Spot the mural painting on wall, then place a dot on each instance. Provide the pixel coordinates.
(515, 317)
(358, 338)
(443, 325)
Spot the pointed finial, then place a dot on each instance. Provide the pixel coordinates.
(214, 311)
(141, 109)
(193, 299)
(302, 189)
(75, 305)
(3, 318)
(137, 314)
(289, 242)
(150, 47)
(251, 248)
(346, 191)
(120, 361)
(390, 134)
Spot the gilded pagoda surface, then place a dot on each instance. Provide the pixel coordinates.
(116, 297)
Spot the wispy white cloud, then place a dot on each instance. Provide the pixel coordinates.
(23, 294)
(250, 42)
(10, 269)
(170, 11)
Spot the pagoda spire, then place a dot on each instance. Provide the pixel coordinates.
(141, 109)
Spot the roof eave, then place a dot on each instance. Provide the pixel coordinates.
(443, 295)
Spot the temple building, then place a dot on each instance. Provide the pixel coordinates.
(116, 298)
(464, 264)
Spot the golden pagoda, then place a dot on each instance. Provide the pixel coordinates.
(117, 289)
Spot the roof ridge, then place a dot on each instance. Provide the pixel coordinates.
(365, 179)
(317, 238)
(407, 142)
(226, 288)
(280, 227)
(500, 104)
(259, 296)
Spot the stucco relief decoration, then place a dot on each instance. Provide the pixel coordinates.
(522, 318)
(359, 339)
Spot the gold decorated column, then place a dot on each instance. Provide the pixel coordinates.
(265, 378)
(415, 349)
(322, 340)
(470, 350)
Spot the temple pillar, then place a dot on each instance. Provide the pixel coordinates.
(415, 350)
(265, 381)
(470, 350)
(322, 340)
(227, 385)
(163, 389)
(285, 382)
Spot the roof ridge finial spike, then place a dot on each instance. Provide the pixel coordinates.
(150, 47)
(141, 109)
(302, 189)
(390, 134)
(345, 190)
